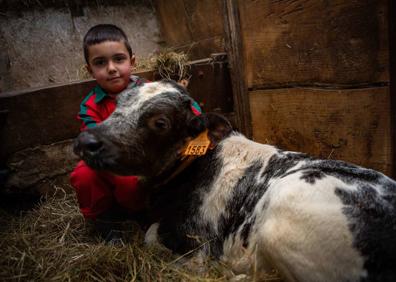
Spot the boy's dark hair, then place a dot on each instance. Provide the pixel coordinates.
(104, 32)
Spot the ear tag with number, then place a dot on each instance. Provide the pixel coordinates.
(198, 146)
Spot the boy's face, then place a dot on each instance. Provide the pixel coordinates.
(110, 64)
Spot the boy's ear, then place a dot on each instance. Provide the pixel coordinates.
(89, 70)
(218, 127)
(133, 60)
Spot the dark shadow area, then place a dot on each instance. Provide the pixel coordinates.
(17, 203)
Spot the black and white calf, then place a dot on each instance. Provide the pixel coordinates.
(251, 205)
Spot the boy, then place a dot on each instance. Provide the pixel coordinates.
(102, 196)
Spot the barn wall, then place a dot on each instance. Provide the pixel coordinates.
(315, 42)
(192, 26)
(318, 74)
(41, 41)
(350, 124)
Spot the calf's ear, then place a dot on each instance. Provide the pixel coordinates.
(218, 127)
(196, 125)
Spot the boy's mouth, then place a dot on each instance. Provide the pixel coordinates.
(113, 78)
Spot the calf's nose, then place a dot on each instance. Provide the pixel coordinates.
(87, 143)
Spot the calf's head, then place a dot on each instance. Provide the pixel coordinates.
(147, 131)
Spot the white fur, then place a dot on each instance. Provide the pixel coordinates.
(147, 92)
(237, 154)
(131, 109)
(293, 235)
(151, 236)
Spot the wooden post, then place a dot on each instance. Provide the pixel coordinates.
(234, 48)
(392, 76)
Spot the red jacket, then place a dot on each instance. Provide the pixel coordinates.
(98, 105)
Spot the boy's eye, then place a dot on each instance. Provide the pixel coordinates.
(119, 58)
(99, 62)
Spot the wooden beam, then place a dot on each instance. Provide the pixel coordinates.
(351, 124)
(392, 76)
(234, 48)
(315, 43)
(195, 27)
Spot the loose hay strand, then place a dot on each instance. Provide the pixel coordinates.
(167, 64)
(172, 65)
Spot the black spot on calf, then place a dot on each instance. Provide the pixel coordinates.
(372, 220)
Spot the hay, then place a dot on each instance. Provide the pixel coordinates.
(166, 64)
(53, 243)
(172, 65)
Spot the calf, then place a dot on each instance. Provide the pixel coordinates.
(249, 204)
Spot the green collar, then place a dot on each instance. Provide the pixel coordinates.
(100, 94)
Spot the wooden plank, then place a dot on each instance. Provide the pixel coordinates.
(205, 18)
(315, 42)
(211, 85)
(173, 22)
(351, 125)
(192, 26)
(392, 52)
(41, 116)
(237, 66)
(199, 49)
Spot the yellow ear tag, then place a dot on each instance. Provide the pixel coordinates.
(198, 146)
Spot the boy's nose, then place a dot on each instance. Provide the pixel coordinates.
(111, 67)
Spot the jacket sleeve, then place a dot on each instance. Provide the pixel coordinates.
(88, 115)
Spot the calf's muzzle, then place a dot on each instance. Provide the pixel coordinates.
(87, 144)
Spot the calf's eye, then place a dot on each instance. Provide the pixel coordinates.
(160, 123)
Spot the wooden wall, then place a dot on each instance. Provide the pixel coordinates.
(349, 124)
(315, 42)
(317, 71)
(192, 26)
(318, 74)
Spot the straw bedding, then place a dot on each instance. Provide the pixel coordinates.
(52, 242)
